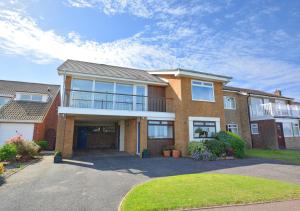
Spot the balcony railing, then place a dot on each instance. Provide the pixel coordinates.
(116, 101)
(270, 110)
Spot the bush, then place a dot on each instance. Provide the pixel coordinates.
(8, 152)
(26, 149)
(196, 146)
(216, 147)
(234, 141)
(43, 144)
(2, 169)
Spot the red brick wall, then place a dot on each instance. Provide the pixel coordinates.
(50, 121)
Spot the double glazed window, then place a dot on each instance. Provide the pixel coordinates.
(160, 129)
(203, 91)
(290, 129)
(30, 97)
(229, 102)
(3, 101)
(204, 129)
(254, 128)
(107, 95)
(232, 128)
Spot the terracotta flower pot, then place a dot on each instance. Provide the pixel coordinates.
(167, 153)
(175, 153)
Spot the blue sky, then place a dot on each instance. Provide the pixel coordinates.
(255, 42)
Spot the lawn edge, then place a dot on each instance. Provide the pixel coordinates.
(213, 206)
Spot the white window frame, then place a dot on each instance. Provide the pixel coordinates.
(232, 108)
(198, 118)
(256, 125)
(235, 126)
(135, 85)
(293, 126)
(212, 86)
(43, 100)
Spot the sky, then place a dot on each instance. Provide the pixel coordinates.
(256, 42)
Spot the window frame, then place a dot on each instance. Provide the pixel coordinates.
(31, 95)
(233, 124)
(257, 126)
(204, 121)
(293, 127)
(203, 85)
(160, 123)
(232, 108)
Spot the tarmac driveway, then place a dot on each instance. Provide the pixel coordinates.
(100, 182)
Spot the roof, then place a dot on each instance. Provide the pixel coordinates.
(253, 92)
(108, 71)
(191, 73)
(20, 111)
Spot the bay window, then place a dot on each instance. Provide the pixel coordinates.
(202, 91)
(160, 129)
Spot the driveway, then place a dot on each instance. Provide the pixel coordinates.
(100, 182)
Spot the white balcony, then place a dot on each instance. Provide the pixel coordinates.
(273, 110)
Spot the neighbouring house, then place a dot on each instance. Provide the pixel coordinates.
(264, 119)
(30, 110)
(123, 109)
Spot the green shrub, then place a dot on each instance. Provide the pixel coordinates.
(8, 152)
(234, 141)
(196, 146)
(216, 147)
(43, 144)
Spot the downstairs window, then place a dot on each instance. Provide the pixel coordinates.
(160, 129)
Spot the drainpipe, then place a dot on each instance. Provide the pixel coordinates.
(249, 117)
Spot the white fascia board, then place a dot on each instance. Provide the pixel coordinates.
(287, 120)
(90, 76)
(109, 112)
(193, 75)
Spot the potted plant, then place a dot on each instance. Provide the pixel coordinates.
(146, 153)
(201, 133)
(167, 151)
(57, 157)
(175, 153)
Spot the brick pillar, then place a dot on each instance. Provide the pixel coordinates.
(68, 140)
(60, 133)
(143, 135)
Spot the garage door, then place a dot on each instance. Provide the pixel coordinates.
(7, 130)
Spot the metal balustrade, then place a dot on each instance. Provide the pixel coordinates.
(274, 110)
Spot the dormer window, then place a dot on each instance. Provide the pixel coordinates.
(35, 97)
(3, 101)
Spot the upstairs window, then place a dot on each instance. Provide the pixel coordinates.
(3, 101)
(31, 97)
(229, 102)
(203, 91)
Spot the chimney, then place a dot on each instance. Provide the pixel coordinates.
(277, 92)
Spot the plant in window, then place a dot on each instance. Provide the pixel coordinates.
(202, 133)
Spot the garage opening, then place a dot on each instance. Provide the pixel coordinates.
(96, 136)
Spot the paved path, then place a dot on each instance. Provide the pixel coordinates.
(99, 183)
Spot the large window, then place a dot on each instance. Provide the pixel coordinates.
(160, 129)
(103, 95)
(254, 128)
(296, 129)
(124, 98)
(204, 129)
(203, 91)
(229, 102)
(290, 129)
(81, 93)
(232, 128)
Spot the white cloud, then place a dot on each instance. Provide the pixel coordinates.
(79, 3)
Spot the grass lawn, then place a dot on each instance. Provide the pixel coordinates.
(202, 190)
(290, 156)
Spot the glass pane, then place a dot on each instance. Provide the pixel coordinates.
(204, 131)
(287, 129)
(140, 100)
(3, 100)
(37, 97)
(160, 131)
(81, 99)
(103, 100)
(296, 130)
(202, 93)
(124, 97)
(25, 97)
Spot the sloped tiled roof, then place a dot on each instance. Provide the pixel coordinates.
(25, 110)
(73, 66)
(254, 92)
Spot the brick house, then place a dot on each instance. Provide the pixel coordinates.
(265, 120)
(28, 109)
(123, 109)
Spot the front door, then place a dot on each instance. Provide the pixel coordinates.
(82, 137)
(280, 135)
